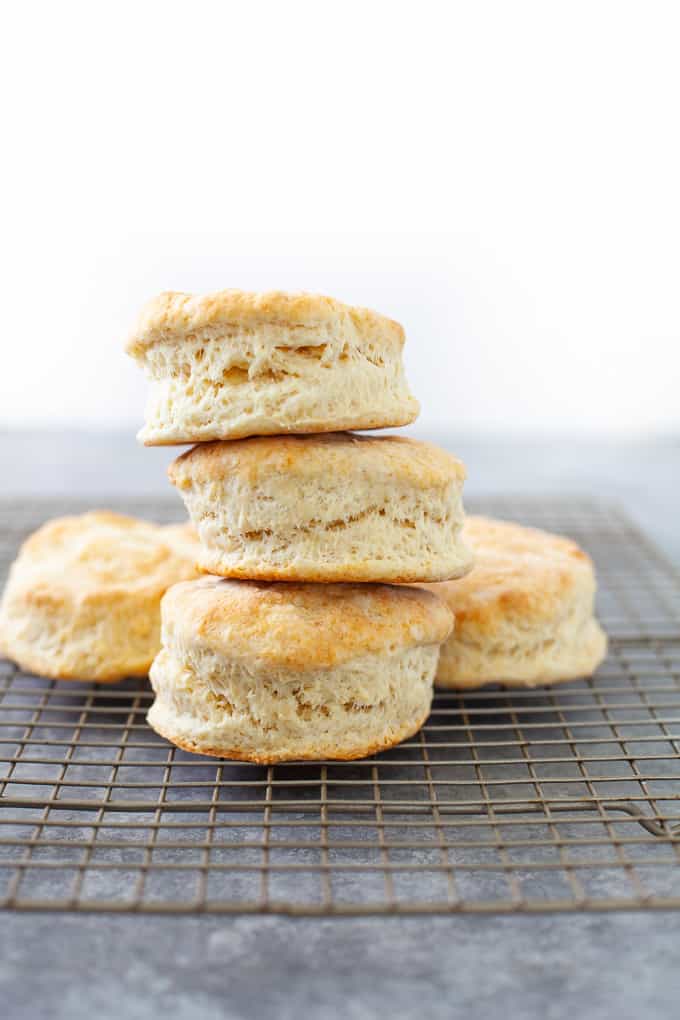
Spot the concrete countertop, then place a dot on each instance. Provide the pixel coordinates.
(550, 967)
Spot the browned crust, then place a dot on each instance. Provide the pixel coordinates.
(337, 574)
(519, 573)
(343, 454)
(174, 315)
(273, 759)
(302, 626)
(390, 421)
(143, 571)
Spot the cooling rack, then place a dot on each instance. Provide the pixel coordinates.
(561, 799)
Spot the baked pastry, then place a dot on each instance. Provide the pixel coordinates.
(82, 600)
(277, 672)
(337, 507)
(524, 616)
(235, 364)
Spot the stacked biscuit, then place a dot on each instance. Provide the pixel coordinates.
(307, 638)
(300, 644)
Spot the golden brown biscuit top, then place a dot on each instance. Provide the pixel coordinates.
(302, 626)
(102, 553)
(518, 571)
(177, 316)
(338, 455)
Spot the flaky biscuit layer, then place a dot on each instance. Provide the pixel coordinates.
(235, 364)
(326, 508)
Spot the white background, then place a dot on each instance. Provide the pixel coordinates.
(504, 179)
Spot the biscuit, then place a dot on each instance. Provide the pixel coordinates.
(337, 507)
(235, 364)
(82, 600)
(524, 616)
(270, 672)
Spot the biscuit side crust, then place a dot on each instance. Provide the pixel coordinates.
(212, 387)
(220, 707)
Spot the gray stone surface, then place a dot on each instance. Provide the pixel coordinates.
(600, 967)
(549, 967)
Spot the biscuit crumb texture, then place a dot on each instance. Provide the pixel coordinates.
(326, 508)
(524, 615)
(279, 672)
(82, 601)
(223, 708)
(234, 364)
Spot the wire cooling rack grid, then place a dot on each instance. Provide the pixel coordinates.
(561, 798)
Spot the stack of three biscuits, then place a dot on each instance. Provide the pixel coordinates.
(301, 643)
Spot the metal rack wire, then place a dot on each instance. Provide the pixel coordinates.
(562, 798)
